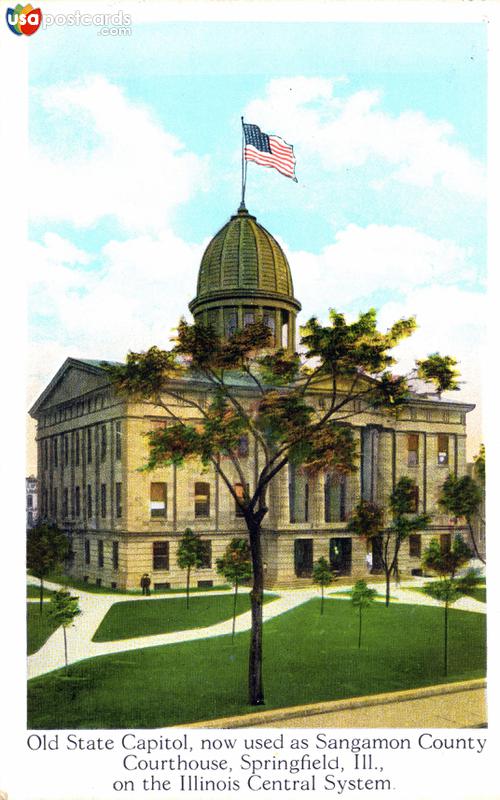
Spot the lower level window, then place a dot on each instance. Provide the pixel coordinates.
(160, 555)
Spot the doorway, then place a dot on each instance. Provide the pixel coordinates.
(303, 558)
(341, 555)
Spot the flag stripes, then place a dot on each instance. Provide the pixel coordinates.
(268, 151)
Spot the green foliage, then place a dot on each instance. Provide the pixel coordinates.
(280, 368)
(445, 591)
(329, 447)
(144, 374)
(391, 393)
(446, 563)
(322, 574)
(439, 370)
(472, 578)
(367, 519)
(190, 550)
(47, 547)
(480, 464)
(405, 519)
(460, 497)
(362, 596)
(283, 416)
(346, 348)
(63, 608)
(235, 565)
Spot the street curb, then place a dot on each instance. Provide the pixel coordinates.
(277, 715)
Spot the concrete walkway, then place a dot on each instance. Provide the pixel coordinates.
(95, 606)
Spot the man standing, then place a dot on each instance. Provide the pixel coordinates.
(145, 584)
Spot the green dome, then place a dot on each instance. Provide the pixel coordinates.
(244, 276)
(244, 255)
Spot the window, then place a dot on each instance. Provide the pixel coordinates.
(100, 553)
(285, 330)
(443, 448)
(89, 445)
(116, 555)
(55, 452)
(45, 454)
(240, 493)
(445, 542)
(412, 440)
(206, 554)
(89, 500)
(66, 450)
(230, 322)
(104, 442)
(29, 501)
(118, 441)
(103, 500)
(335, 498)
(158, 500)
(415, 545)
(243, 447)
(77, 501)
(248, 317)
(205, 584)
(65, 502)
(298, 494)
(201, 499)
(118, 499)
(269, 320)
(414, 500)
(87, 551)
(160, 555)
(77, 449)
(56, 501)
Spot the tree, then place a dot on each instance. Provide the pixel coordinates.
(236, 567)
(447, 590)
(276, 411)
(46, 548)
(63, 610)
(440, 370)
(368, 521)
(322, 575)
(362, 597)
(461, 497)
(480, 465)
(190, 555)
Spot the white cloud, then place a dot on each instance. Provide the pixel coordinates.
(376, 258)
(108, 157)
(352, 131)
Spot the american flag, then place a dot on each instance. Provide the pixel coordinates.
(268, 150)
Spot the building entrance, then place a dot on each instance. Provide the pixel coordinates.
(303, 558)
(341, 555)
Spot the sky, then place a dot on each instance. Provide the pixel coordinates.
(135, 153)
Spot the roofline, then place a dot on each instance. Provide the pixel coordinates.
(70, 362)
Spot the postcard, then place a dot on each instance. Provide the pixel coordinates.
(252, 537)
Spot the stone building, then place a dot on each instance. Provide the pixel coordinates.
(31, 501)
(123, 522)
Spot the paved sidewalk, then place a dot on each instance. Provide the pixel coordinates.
(95, 606)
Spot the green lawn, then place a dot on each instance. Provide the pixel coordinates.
(34, 591)
(307, 658)
(39, 626)
(149, 617)
(477, 593)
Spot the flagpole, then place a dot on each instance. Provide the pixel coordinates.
(243, 166)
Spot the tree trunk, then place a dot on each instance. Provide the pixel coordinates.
(359, 635)
(187, 586)
(255, 685)
(446, 638)
(387, 587)
(41, 595)
(65, 648)
(234, 607)
(322, 597)
(473, 540)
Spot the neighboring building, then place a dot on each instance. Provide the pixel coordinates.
(31, 501)
(123, 522)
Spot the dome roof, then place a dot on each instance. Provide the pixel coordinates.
(243, 256)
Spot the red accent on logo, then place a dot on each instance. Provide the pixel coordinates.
(33, 22)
